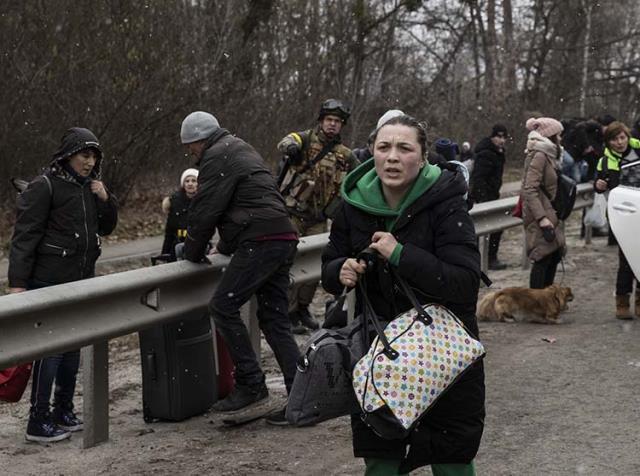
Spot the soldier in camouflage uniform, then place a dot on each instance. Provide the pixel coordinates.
(315, 163)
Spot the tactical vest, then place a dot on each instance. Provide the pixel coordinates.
(309, 190)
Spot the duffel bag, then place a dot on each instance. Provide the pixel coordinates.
(322, 387)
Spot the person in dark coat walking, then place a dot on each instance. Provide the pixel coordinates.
(238, 196)
(61, 216)
(486, 180)
(414, 215)
(177, 207)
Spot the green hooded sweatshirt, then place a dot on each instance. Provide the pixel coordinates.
(362, 188)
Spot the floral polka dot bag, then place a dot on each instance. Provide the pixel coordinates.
(410, 364)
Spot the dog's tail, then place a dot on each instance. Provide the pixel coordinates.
(486, 308)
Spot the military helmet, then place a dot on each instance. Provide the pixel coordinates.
(334, 107)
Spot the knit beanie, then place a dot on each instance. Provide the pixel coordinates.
(197, 126)
(499, 130)
(188, 173)
(545, 126)
(387, 116)
(447, 148)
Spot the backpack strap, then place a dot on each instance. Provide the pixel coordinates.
(49, 184)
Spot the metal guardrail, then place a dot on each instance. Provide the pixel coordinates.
(90, 312)
(490, 217)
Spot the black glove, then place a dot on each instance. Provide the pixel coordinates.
(293, 152)
(549, 234)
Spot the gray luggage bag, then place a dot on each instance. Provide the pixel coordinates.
(322, 388)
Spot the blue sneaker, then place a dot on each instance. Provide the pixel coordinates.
(67, 420)
(42, 430)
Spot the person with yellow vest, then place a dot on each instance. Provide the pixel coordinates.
(315, 163)
(614, 169)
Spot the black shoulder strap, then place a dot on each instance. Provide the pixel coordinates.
(605, 164)
(325, 150)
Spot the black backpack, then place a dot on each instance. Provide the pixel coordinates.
(565, 198)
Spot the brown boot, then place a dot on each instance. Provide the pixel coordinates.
(622, 307)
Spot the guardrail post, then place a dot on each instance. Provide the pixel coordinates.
(483, 245)
(95, 378)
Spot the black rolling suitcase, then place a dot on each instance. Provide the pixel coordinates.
(178, 368)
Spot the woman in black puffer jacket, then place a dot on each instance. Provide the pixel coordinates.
(414, 215)
(61, 216)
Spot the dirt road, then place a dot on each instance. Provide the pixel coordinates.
(562, 408)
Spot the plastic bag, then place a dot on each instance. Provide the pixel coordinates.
(596, 216)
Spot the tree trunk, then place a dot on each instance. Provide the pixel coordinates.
(490, 54)
(587, 6)
(509, 53)
(475, 48)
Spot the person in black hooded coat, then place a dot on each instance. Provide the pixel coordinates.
(486, 180)
(434, 249)
(60, 218)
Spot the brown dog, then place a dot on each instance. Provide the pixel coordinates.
(524, 304)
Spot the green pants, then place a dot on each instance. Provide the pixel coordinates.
(389, 467)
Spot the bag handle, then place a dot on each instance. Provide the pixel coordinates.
(389, 351)
(370, 256)
(423, 316)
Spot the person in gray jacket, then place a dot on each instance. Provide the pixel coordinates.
(61, 216)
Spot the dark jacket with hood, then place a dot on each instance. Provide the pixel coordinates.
(59, 220)
(237, 194)
(439, 259)
(175, 230)
(486, 177)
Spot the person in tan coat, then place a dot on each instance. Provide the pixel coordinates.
(545, 240)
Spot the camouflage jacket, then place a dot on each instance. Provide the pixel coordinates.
(308, 190)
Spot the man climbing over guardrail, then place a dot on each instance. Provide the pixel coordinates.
(237, 194)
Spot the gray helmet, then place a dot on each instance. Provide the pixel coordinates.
(197, 126)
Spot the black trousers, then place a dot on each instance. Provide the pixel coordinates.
(625, 278)
(61, 368)
(494, 244)
(260, 268)
(543, 272)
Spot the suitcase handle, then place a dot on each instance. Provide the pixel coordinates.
(150, 361)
